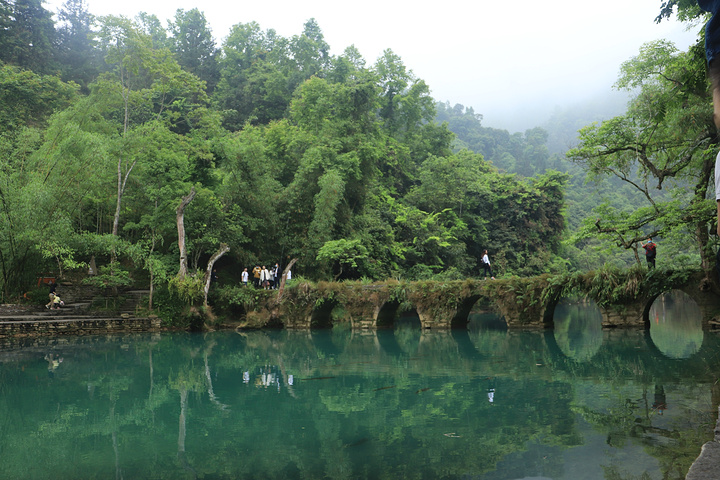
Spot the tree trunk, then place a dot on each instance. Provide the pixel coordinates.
(180, 213)
(701, 227)
(121, 183)
(283, 279)
(149, 263)
(224, 248)
(116, 219)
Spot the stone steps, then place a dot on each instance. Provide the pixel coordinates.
(78, 301)
(133, 299)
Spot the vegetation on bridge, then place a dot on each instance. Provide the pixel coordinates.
(522, 301)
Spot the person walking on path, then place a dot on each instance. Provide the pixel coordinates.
(244, 277)
(712, 51)
(486, 266)
(650, 252)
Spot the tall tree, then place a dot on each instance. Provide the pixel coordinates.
(255, 84)
(665, 141)
(194, 47)
(150, 87)
(310, 51)
(79, 59)
(27, 35)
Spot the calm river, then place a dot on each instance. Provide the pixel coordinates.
(483, 403)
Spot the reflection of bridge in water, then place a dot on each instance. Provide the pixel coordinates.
(521, 302)
(625, 353)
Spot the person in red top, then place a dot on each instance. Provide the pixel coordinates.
(650, 252)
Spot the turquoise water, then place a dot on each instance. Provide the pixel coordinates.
(574, 403)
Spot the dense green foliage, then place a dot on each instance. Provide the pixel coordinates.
(643, 173)
(663, 147)
(353, 169)
(293, 153)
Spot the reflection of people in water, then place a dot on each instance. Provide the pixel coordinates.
(268, 377)
(491, 391)
(660, 404)
(53, 363)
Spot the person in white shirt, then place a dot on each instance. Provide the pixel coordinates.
(486, 266)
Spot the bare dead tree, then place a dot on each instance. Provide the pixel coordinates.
(180, 215)
(224, 248)
(283, 279)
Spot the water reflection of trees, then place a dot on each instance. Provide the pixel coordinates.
(178, 406)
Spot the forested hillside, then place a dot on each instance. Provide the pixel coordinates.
(292, 152)
(280, 150)
(644, 172)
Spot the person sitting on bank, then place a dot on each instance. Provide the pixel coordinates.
(57, 303)
(52, 286)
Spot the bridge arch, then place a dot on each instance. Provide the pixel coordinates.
(321, 316)
(674, 324)
(521, 302)
(461, 318)
(553, 298)
(386, 314)
(707, 301)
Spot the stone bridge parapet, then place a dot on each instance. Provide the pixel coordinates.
(624, 299)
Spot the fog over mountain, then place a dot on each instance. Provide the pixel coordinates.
(597, 107)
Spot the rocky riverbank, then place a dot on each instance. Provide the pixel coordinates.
(707, 465)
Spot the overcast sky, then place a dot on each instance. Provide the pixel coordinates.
(499, 57)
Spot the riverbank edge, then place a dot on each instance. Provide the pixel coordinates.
(707, 465)
(77, 326)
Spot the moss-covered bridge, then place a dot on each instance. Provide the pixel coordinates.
(624, 299)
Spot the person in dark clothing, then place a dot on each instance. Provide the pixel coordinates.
(660, 403)
(650, 252)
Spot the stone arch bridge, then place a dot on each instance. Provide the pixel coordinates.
(624, 299)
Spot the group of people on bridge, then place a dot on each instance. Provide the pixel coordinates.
(262, 277)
